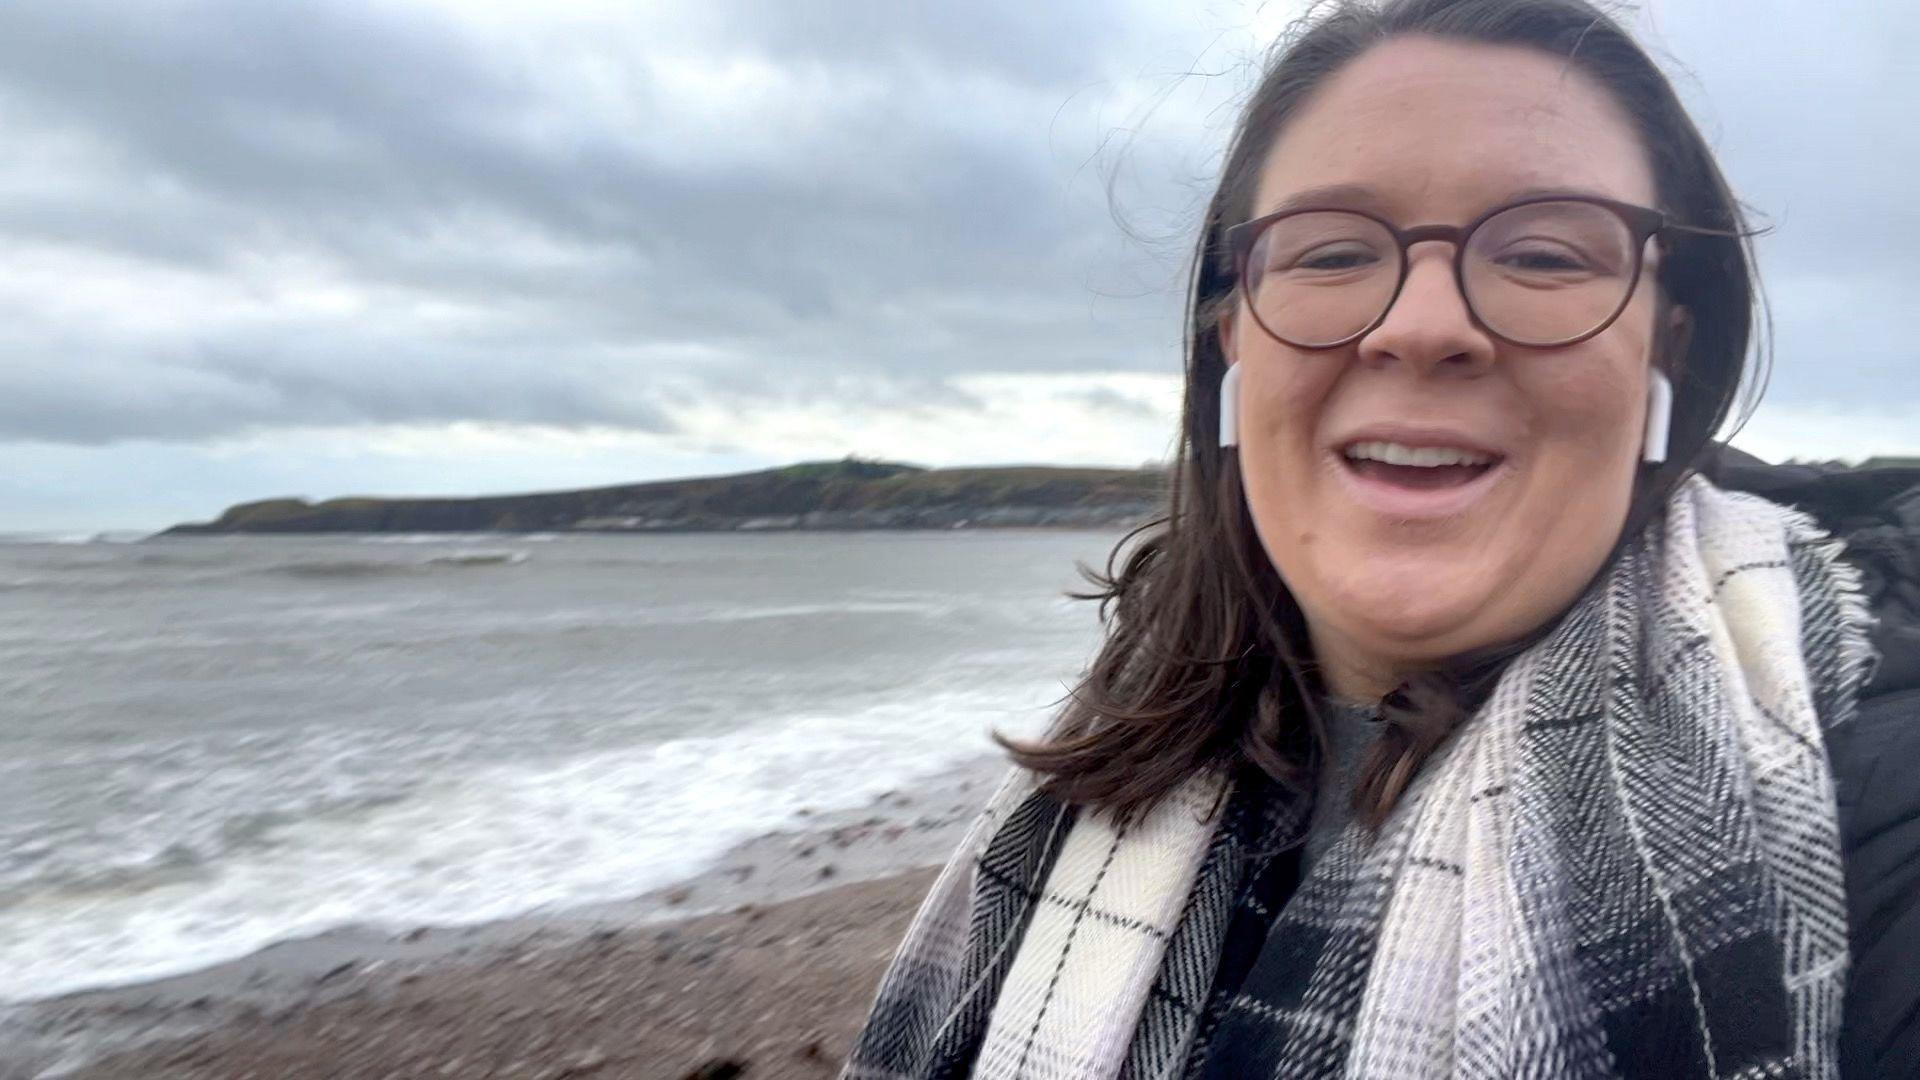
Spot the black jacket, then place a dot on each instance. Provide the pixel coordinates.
(1876, 759)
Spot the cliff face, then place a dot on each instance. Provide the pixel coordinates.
(850, 494)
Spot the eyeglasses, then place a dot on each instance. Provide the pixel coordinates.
(1539, 272)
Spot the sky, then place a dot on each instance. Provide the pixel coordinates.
(259, 248)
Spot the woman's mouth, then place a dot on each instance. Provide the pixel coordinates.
(1423, 467)
(1405, 481)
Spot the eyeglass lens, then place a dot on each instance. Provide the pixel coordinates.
(1539, 273)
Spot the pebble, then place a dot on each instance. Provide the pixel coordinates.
(717, 1070)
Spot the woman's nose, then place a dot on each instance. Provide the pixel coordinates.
(1430, 323)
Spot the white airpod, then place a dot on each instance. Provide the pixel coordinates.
(1653, 450)
(1230, 406)
(1659, 417)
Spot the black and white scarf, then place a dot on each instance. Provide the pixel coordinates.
(1625, 863)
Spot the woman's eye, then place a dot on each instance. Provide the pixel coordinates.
(1544, 260)
(1335, 260)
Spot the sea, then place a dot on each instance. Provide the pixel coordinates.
(211, 744)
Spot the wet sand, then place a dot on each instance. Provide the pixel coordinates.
(764, 966)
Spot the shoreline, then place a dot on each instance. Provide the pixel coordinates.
(816, 910)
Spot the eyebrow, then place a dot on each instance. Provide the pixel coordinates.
(1356, 196)
(1364, 197)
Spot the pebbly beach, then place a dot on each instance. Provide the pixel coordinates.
(762, 966)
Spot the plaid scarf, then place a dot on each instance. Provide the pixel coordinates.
(1625, 863)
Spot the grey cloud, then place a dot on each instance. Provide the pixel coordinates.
(939, 210)
(1810, 114)
(918, 234)
(224, 389)
(1104, 400)
(1843, 338)
(335, 116)
(1064, 44)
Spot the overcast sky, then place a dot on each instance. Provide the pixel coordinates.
(252, 248)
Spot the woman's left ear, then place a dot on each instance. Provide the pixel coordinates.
(1676, 339)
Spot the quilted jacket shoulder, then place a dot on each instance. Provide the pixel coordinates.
(1876, 757)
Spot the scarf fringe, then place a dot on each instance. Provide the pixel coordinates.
(1859, 660)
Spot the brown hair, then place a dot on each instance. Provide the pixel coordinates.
(1206, 661)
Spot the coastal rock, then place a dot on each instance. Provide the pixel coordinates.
(828, 495)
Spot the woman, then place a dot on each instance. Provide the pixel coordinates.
(1454, 722)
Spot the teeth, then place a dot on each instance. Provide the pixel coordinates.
(1425, 456)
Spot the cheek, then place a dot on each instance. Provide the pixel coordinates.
(1596, 393)
(1284, 476)
(1283, 400)
(1587, 452)
(1592, 407)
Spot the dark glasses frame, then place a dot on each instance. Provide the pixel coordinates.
(1641, 221)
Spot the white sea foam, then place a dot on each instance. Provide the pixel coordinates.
(46, 538)
(444, 537)
(502, 840)
(111, 536)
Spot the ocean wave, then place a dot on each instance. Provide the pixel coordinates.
(82, 582)
(176, 863)
(38, 538)
(163, 570)
(452, 537)
(38, 877)
(70, 539)
(477, 845)
(479, 558)
(756, 612)
(352, 568)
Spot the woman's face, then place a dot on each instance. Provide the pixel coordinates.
(1392, 579)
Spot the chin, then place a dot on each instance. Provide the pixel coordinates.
(1413, 617)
